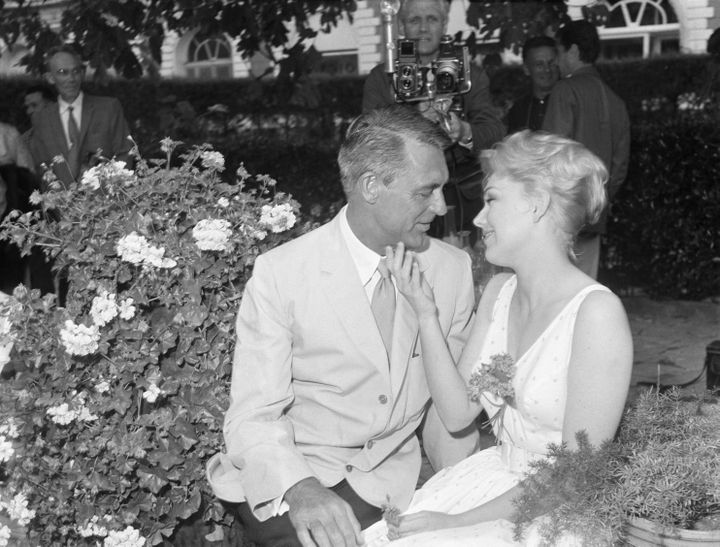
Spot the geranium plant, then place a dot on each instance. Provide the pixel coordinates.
(105, 432)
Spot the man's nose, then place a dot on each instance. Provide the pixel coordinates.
(438, 205)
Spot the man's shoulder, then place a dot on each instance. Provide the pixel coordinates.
(441, 253)
(303, 246)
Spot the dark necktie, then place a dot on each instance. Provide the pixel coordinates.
(383, 305)
(74, 134)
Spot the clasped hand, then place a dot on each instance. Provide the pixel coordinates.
(411, 283)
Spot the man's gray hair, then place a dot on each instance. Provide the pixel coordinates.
(375, 142)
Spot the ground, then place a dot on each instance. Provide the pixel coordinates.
(671, 339)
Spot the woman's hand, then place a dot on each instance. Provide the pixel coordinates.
(404, 267)
(424, 521)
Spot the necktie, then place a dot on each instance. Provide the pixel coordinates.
(74, 134)
(383, 305)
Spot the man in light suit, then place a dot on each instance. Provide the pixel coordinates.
(80, 127)
(321, 429)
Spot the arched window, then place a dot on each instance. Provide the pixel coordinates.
(639, 28)
(209, 57)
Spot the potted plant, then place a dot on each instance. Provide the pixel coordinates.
(656, 483)
(105, 433)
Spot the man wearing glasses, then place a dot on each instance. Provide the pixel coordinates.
(81, 128)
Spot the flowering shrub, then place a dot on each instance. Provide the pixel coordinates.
(105, 433)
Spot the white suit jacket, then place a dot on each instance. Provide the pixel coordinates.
(313, 393)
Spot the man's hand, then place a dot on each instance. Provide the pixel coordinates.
(320, 517)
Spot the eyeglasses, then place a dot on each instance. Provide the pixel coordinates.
(75, 71)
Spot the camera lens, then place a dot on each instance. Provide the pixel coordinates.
(445, 82)
(406, 71)
(406, 84)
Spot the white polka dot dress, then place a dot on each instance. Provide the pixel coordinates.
(527, 428)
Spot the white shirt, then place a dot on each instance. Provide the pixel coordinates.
(65, 112)
(365, 259)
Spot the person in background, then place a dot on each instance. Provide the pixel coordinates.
(80, 126)
(13, 149)
(479, 127)
(584, 108)
(36, 98)
(562, 340)
(327, 387)
(540, 65)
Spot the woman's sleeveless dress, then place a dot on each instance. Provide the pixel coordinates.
(540, 385)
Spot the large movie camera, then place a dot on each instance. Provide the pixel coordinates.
(447, 77)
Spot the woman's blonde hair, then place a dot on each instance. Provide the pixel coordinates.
(572, 176)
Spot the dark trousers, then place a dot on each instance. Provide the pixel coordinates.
(279, 531)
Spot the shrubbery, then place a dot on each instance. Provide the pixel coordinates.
(663, 233)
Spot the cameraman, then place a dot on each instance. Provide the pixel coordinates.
(479, 128)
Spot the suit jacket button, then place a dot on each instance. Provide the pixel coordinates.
(348, 468)
(370, 444)
(382, 399)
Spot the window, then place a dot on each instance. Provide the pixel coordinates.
(639, 28)
(338, 63)
(209, 57)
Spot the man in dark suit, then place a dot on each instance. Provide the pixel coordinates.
(80, 127)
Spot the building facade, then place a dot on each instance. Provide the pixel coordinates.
(634, 28)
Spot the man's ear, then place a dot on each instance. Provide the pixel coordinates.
(525, 70)
(49, 78)
(574, 53)
(369, 186)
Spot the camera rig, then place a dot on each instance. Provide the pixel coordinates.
(447, 77)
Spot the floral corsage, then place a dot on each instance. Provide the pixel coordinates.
(494, 378)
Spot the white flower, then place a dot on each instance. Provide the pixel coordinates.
(135, 249)
(84, 415)
(91, 178)
(9, 429)
(93, 529)
(218, 108)
(212, 234)
(167, 145)
(102, 386)
(223, 202)
(278, 217)
(6, 449)
(61, 414)
(35, 198)
(259, 234)
(127, 310)
(212, 160)
(131, 248)
(5, 535)
(17, 509)
(79, 339)
(152, 393)
(242, 173)
(103, 309)
(130, 537)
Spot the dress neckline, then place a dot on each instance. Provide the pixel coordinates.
(513, 281)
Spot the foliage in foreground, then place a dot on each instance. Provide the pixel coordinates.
(664, 466)
(107, 429)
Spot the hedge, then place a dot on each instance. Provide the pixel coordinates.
(662, 235)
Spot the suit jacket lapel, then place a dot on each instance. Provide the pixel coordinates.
(349, 299)
(88, 111)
